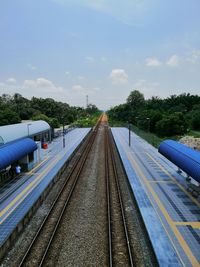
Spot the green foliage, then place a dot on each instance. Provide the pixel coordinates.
(88, 121)
(195, 134)
(135, 99)
(165, 117)
(195, 120)
(40, 117)
(91, 109)
(173, 124)
(53, 122)
(16, 108)
(53, 109)
(8, 116)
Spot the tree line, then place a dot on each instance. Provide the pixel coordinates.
(15, 108)
(171, 116)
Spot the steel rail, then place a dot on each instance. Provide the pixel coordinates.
(108, 198)
(66, 204)
(110, 147)
(83, 157)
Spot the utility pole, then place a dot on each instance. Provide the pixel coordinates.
(63, 134)
(129, 134)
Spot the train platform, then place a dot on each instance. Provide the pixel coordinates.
(170, 213)
(19, 196)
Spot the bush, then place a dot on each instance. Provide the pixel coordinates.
(195, 120)
(8, 116)
(173, 124)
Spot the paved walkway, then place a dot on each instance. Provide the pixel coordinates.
(171, 214)
(17, 197)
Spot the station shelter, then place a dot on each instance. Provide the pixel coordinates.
(20, 145)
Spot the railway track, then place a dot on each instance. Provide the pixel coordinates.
(120, 253)
(37, 253)
(94, 220)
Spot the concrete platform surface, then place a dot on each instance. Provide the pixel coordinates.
(17, 197)
(170, 213)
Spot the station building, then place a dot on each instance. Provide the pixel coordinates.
(20, 145)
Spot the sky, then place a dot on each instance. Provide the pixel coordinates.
(67, 49)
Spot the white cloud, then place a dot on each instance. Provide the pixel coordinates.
(11, 81)
(173, 61)
(153, 62)
(90, 59)
(119, 76)
(42, 86)
(32, 67)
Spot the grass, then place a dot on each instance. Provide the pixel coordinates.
(113, 123)
(196, 134)
(89, 121)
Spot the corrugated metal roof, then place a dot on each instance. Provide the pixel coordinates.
(13, 132)
(184, 157)
(14, 151)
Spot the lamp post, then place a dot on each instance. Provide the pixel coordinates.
(136, 121)
(29, 124)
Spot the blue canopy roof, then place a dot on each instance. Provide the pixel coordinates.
(14, 151)
(184, 157)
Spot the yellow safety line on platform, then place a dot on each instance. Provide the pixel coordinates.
(37, 166)
(173, 178)
(26, 191)
(138, 171)
(162, 181)
(171, 223)
(193, 224)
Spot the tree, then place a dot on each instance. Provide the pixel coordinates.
(8, 116)
(147, 119)
(135, 100)
(53, 122)
(154, 103)
(173, 124)
(195, 120)
(22, 106)
(56, 112)
(91, 109)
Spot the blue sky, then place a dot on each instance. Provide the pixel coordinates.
(67, 49)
